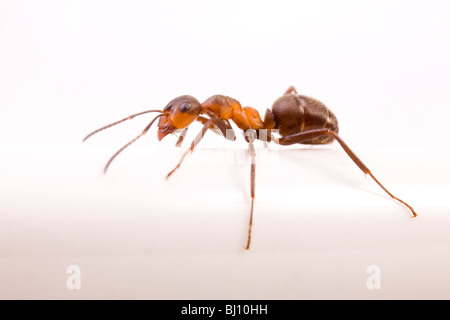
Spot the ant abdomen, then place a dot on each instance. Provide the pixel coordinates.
(294, 113)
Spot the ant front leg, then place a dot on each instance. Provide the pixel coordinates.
(194, 143)
(181, 137)
(307, 135)
(220, 125)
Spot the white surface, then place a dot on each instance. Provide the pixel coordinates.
(134, 235)
(67, 68)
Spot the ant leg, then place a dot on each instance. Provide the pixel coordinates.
(252, 153)
(194, 143)
(203, 120)
(291, 89)
(221, 126)
(303, 136)
(181, 138)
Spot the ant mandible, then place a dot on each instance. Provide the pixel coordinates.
(298, 119)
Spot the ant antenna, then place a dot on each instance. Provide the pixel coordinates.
(117, 122)
(125, 146)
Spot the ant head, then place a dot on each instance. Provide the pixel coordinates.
(178, 114)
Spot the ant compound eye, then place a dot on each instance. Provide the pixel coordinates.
(185, 106)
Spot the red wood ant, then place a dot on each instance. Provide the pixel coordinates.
(298, 119)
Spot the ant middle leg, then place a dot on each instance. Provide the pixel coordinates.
(250, 136)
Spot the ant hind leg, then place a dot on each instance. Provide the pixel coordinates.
(291, 89)
(307, 135)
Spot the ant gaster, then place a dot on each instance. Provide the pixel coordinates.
(298, 119)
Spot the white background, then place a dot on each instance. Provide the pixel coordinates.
(68, 67)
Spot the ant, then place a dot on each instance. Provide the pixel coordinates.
(298, 119)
